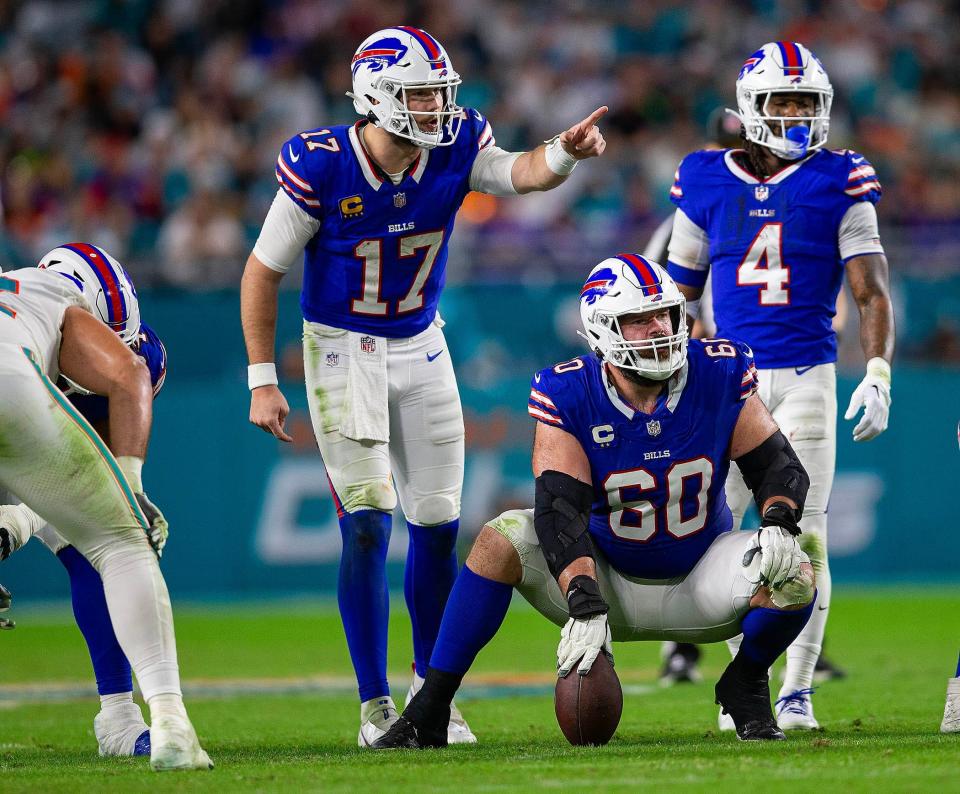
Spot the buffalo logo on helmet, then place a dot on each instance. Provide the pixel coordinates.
(380, 54)
(750, 64)
(598, 285)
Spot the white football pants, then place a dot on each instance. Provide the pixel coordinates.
(805, 407)
(53, 461)
(706, 605)
(425, 451)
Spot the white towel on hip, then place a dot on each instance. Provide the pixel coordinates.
(366, 415)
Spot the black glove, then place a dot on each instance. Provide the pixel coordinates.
(782, 515)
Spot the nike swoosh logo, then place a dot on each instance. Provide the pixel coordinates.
(822, 609)
(293, 156)
(857, 159)
(803, 370)
(432, 357)
(537, 379)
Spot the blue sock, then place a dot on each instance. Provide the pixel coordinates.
(363, 597)
(110, 665)
(474, 613)
(958, 668)
(427, 581)
(767, 633)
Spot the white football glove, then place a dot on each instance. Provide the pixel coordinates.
(581, 640)
(873, 395)
(159, 529)
(773, 557)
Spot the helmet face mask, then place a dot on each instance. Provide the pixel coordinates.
(392, 64)
(625, 286)
(780, 68)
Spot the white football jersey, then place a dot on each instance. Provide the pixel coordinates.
(32, 305)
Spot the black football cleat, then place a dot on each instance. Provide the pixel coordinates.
(680, 665)
(404, 735)
(5, 600)
(746, 698)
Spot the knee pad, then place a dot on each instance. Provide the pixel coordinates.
(796, 593)
(52, 539)
(517, 527)
(434, 509)
(376, 494)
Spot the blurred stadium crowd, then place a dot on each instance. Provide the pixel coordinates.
(153, 127)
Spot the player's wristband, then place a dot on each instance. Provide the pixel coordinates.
(693, 309)
(558, 159)
(879, 368)
(584, 599)
(261, 375)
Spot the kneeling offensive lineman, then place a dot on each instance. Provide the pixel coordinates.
(630, 535)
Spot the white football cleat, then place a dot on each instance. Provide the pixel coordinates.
(794, 711)
(951, 711)
(174, 745)
(458, 732)
(725, 722)
(376, 718)
(119, 729)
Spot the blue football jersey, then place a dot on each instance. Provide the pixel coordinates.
(658, 479)
(775, 261)
(148, 346)
(377, 264)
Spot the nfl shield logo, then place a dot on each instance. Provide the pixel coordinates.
(761, 192)
(399, 200)
(333, 359)
(653, 427)
(368, 344)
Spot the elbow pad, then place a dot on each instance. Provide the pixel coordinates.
(561, 516)
(773, 469)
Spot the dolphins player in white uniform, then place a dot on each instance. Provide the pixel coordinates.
(54, 461)
(778, 224)
(371, 206)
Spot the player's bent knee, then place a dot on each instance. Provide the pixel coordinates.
(795, 594)
(435, 509)
(495, 557)
(377, 494)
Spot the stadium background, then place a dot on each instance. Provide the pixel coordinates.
(152, 130)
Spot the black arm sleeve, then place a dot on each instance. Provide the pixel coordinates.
(561, 516)
(773, 469)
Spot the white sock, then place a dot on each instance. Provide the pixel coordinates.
(140, 611)
(166, 705)
(116, 699)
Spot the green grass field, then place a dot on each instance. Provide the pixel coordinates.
(270, 692)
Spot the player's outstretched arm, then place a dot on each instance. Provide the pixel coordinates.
(258, 316)
(551, 163)
(869, 280)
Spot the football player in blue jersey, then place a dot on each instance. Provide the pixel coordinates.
(778, 224)
(119, 726)
(630, 535)
(372, 206)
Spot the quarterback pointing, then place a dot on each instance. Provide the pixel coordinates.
(629, 538)
(778, 224)
(371, 206)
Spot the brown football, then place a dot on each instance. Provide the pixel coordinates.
(589, 706)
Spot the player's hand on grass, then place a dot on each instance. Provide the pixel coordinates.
(584, 139)
(158, 529)
(269, 410)
(5, 599)
(587, 632)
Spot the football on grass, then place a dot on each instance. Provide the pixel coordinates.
(589, 706)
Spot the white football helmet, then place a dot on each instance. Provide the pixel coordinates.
(104, 283)
(394, 61)
(631, 284)
(784, 67)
